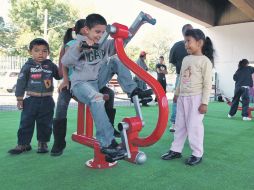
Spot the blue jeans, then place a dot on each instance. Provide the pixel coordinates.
(88, 93)
(244, 93)
(39, 110)
(63, 101)
(174, 107)
(114, 66)
(65, 96)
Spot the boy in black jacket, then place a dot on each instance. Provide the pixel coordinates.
(243, 82)
(36, 79)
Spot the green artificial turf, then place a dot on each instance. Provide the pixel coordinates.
(228, 160)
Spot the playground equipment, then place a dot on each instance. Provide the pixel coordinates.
(229, 102)
(131, 126)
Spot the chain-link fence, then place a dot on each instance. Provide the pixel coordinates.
(9, 70)
(11, 62)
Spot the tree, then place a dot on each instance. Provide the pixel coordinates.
(28, 16)
(158, 44)
(133, 52)
(7, 34)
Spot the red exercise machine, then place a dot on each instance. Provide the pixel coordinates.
(229, 102)
(131, 126)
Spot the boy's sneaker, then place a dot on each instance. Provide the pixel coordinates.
(144, 95)
(20, 148)
(246, 119)
(114, 152)
(146, 100)
(230, 116)
(172, 128)
(42, 147)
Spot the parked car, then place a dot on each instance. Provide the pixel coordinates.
(8, 80)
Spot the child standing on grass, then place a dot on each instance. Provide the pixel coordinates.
(192, 95)
(243, 83)
(36, 79)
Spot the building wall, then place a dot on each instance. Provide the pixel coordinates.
(232, 43)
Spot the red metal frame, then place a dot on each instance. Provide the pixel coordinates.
(85, 137)
(250, 109)
(135, 123)
(119, 36)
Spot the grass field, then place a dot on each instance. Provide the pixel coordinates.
(228, 162)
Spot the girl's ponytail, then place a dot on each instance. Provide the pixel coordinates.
(68, 36)
(207, 49)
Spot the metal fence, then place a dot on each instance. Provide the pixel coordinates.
(11, 62)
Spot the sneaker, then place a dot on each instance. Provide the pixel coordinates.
(145, 105)
(20, 148)
(193, 160)
(146, 100)
(170, 155)
(230, 116)
(141, 93)
(246, 119)
(172, 128)
(42, 147)
(114, 152)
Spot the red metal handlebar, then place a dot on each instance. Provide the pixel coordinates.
(119, 36)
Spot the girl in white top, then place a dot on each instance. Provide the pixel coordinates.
(192, 95)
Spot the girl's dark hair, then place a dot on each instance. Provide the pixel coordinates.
(207, 48)
(243, 63)
(79, 25)
(37, 42)
(68, 36)
(95, 19)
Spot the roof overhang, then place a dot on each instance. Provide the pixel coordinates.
(209, 12)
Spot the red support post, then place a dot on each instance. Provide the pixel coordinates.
(85, 124)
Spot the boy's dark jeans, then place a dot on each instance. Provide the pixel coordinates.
(41, 111)
(244, 93)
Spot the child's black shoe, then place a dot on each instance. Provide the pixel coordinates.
(170, 155)
(42, 147)
(20, 148)
(144, 95)
(193, 160)
(114, 152)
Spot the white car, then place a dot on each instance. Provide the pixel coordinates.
(8, 80)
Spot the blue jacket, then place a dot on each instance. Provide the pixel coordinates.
(36, 79)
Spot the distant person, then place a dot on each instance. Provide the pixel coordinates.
(142, 63)
(161, 70)
(177, 53)
(36, 79)
(243, 82)
(192, 95)
(252, 91)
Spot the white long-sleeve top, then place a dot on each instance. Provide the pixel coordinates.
(195, 77)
